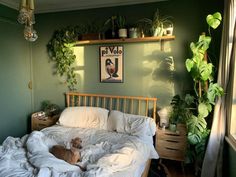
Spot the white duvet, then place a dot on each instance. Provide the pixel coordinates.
(104, 153)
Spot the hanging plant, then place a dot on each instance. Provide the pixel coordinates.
(60, 50)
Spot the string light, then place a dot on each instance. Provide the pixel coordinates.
(26, 17)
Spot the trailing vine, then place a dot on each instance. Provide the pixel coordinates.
(60, 50)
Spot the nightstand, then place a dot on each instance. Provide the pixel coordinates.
(171, 145)
(40, 122)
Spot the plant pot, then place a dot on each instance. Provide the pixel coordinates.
(133, 33)
(181, 128)
(169, 30)
(90, 36)
(172, 127)
(122, 33)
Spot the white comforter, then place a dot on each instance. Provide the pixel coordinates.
(103, 153)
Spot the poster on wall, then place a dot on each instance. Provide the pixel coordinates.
(111, 64)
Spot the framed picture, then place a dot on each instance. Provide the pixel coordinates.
(111, 64)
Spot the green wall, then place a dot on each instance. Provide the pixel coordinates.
(15, 98)
(142, 61)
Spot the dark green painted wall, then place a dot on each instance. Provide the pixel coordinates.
(15, 98)
(229, 161)
(141, 60)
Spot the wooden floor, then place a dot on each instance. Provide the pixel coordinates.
(173, 168)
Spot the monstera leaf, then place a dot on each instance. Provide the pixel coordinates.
(203, 110)
(201, 147)
(189, 64)
(213, 91)
(194, 138)
(196, 126)
(214, 20)
(204, 42)
(205, 70)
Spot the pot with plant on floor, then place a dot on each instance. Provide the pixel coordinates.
(205, 93)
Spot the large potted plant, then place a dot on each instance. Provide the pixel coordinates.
(205, 91)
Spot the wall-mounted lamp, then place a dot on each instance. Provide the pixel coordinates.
(26, 17)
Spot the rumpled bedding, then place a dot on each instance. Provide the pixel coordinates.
(103, 154)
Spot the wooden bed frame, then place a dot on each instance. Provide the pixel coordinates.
(129, 104)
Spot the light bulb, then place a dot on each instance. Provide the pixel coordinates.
(30, 34)
(23, 16)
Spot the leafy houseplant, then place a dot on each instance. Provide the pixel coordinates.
(111, 22)
(154, 26)
(205, 91)
(49, 108)
(122, 31)
(181, 108)
(60, 50)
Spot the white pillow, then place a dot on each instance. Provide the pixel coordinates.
(84, 117)
(136, 125)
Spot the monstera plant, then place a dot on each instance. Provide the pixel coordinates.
(206, 90)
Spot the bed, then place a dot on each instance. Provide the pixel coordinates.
(117, 139)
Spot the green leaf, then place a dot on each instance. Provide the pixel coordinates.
(189, 64)
(214, 20)
(189, 99)
(203, 110)
(204, 42)
(213, 91)
(196, 125)
(193, 138)
(205, 70)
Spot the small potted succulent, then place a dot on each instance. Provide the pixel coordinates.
(122, 31)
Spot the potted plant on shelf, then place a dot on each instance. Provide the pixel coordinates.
(133, 32)
(155, 26)
(122, 31)
(90, 31)
(110, 24)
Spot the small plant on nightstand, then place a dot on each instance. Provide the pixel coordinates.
(49, 108)
(181, 110)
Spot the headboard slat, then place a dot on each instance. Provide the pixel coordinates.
(128, 104)
(118, 104)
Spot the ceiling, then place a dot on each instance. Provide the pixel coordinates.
(43, 6)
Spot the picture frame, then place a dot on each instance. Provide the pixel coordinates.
(111, 64)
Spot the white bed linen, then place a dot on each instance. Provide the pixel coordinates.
(105, 154)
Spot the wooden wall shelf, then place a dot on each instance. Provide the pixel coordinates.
(126, 40)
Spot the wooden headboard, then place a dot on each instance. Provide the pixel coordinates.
(127, 104)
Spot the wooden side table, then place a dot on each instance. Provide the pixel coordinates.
(40, 122)
(171, 145)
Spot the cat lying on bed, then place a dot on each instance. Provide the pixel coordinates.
(71, 155)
